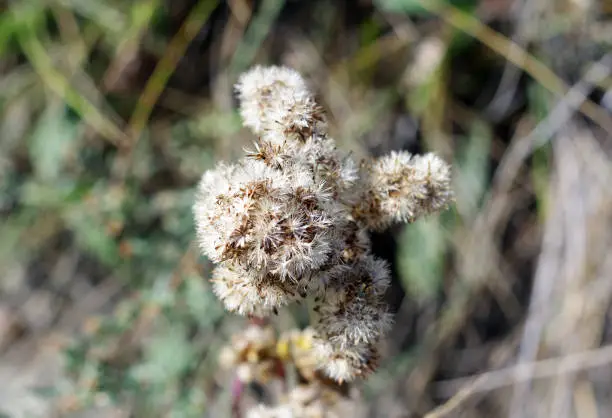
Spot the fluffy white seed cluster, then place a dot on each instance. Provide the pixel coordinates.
(290, 220)
(401, 187)
(276, 100)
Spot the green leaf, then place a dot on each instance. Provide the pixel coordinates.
(103, 13)
(160, 293)
(189, 405)
(166, 357)
(63, 192)
(422, 248)
(92, 235)
(142, 12)
(47, 392)
(51, 142)
(421, 96)
(21, 14)
(256, 33)
(202, 303)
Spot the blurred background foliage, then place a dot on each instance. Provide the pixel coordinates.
(111, 110)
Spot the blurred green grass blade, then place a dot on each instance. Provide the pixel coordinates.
(7, 30)
(141, 15)
(415, 7)
(421, 97)
(100, 12)
(255, 35)
(21, 14)
(26, 33)
(538, 101)
(50, 144)
(142, 12)
(167, 64)
(56, 82)
(421, 255)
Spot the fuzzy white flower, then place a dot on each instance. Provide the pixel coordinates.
(264, 219)
(401, 187)
(251, 354)
(437, 177)
(328, 164)
(352, 310)
(345, 365)
(277, 99)
(247, 293)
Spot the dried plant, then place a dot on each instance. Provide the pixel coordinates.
(258, 356)
(306, 401)
(290, 221)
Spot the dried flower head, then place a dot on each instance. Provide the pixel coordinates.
(248, 293)
(290, 220)
(328, 164)
(277, 99)
(296, 347)
(346, 364)
(401, 187)
(352, 310)
(266, 220)
(252, 353)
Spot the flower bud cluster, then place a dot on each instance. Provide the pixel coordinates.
(252, 353)
(290, 220)
(257, 356)
(401, 187)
